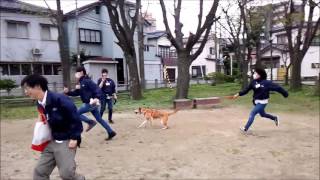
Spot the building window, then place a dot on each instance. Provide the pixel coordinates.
(25, 69)
(315, 65)
(56, 69)
(164, 51)
(5, 69)
(49, 32)
(90, 36)
(282, 39)
(14, 69)
(315, 41)
(37, 69)
(146, 48)
(17, 29)
(97, 9)
(47, 68)
(196, 71)
(211, 50)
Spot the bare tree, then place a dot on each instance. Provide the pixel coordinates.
(287, 64)
(64, 53)
(124, 27)
(306, 30)
(185, 58)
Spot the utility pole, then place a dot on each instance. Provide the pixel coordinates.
(271, 64)
(77, 35)
(215, 48)
(64, 54)
(141, 48)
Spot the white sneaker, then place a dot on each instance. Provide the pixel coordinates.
(242, 129)
(277, 121)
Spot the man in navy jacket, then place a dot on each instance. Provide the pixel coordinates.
(108, 89)
(90, 94)
(61, 114)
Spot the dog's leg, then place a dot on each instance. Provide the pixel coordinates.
(143, 123)
(164, 122)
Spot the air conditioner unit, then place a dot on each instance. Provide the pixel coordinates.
(36, 51)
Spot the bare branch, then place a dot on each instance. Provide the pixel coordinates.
(168, 31)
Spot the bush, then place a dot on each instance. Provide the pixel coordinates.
(7, 84)
(219, 77)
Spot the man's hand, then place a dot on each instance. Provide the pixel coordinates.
(94, 101)
(115, 96)
(236, 96)
(78, 86)
(65, 90)
(73, 144)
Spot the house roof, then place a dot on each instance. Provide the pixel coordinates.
(156, 34)
(17, 6)
(279, 47)
(89, 7)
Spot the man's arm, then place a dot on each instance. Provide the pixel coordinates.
(279, 89)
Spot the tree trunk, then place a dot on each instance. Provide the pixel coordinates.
(286, 78)
(64, 53)
(317, 86)
(183, 75)
(258, 55)
(141, 51)
(244, 73)
(135, 87)
(295, 83)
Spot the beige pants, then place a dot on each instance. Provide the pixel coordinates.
(60, 155)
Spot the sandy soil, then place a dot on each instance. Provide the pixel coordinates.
(200, 144)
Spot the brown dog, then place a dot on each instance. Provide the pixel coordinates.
(151, 114)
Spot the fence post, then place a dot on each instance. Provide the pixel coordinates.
(156, 83)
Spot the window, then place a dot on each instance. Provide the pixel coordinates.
(97, 9)
(90, 36)
(146, 48)
(14, 69)
(282, 39)
(5, 69)
(315, 41)
(56, 69)
(16, 29)
(49, 32)
(37, 69)
(164, 51)
(26, 69)
(211, 50)
(315, 65)
(198, 71)
(47, 69)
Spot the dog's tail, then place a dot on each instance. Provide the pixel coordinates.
(175, 111)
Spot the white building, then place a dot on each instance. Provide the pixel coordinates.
(28, 42)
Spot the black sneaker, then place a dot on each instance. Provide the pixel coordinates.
(277, 121)
(91, 125)
(111, 122)
(243, 130)
(111, 135)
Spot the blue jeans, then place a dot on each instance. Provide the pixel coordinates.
(258, 108)
(95, 112)
(104, 101)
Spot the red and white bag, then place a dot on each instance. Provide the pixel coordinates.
(41, 134)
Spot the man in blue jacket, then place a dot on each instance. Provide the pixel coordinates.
(108, 89)
(61, 114)
(261, 88)
(90, 94)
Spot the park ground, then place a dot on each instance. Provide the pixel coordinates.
(201, 143)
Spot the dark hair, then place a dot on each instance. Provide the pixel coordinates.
(81, 68)
(35, 80)
(262, 73)
(104, 71)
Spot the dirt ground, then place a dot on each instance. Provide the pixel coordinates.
(200, 144)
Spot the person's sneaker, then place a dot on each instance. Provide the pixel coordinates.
(277, 121)
(91, 125)
(242, 129)
(111, 135)
(111, 122)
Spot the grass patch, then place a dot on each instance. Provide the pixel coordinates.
(298, 102)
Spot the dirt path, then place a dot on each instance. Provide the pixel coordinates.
(200, 144)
